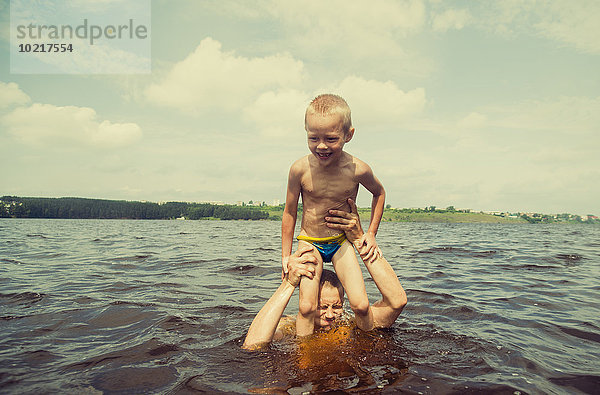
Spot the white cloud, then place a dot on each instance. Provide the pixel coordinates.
(505, 18)
(372, 103)
(380, 103)
(10, 94)
(566, 114)
(577, 117)
(212, 79)
(361, 17)
(381, 15)
(278, 114)
(474, 120)
(355, 28)
(49, 125)
(574, 23)
(450, 19)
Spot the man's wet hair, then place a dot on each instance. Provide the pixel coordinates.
(331, 279)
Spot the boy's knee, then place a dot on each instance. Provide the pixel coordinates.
(307, 307)
(360, 308)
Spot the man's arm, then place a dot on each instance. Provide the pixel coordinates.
(265, 323)
(290, 213)
(386, 310)
(263, 326)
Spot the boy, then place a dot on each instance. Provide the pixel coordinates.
(326, 178)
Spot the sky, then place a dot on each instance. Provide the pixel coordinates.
(487, 105)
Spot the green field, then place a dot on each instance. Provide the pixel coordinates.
(444, 217)
(395, 215)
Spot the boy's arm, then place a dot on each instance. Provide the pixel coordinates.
(290, 213)
(373, 185)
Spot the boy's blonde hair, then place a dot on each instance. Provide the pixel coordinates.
(327, 104)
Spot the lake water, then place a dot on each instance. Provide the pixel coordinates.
(103, 306)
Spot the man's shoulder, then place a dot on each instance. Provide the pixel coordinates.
(287, 320)
(286, 327)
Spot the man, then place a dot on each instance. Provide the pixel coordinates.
(269, 325)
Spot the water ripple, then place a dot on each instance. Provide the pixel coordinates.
(162, 307)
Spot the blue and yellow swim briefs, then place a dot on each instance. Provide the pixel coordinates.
(327, 246)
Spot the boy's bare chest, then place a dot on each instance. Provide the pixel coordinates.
(339, 185)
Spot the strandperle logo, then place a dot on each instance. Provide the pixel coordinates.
(86, 31)
(80, 37)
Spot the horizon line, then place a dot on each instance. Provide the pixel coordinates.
(218, 202)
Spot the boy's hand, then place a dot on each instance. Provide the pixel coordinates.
(367, 248)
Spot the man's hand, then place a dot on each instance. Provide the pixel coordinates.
(301, 263)
(348, 222)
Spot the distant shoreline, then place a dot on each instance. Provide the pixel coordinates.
(433, 215)
(448, 217)
(84, 208)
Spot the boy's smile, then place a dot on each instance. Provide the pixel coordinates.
(326, 138)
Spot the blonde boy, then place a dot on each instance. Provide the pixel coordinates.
(326, 179)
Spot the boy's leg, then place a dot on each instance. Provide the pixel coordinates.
(309, 294)
(348, 271)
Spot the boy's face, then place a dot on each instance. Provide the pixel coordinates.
(326, 138)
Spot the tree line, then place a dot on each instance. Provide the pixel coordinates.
(82, 208)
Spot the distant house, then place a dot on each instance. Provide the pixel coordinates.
(215, 202)
(499, 213)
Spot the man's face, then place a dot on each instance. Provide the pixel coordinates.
(330, 306)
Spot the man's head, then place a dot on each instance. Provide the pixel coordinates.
(331, 299)
(328, 126)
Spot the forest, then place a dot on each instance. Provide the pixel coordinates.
(82, 208)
